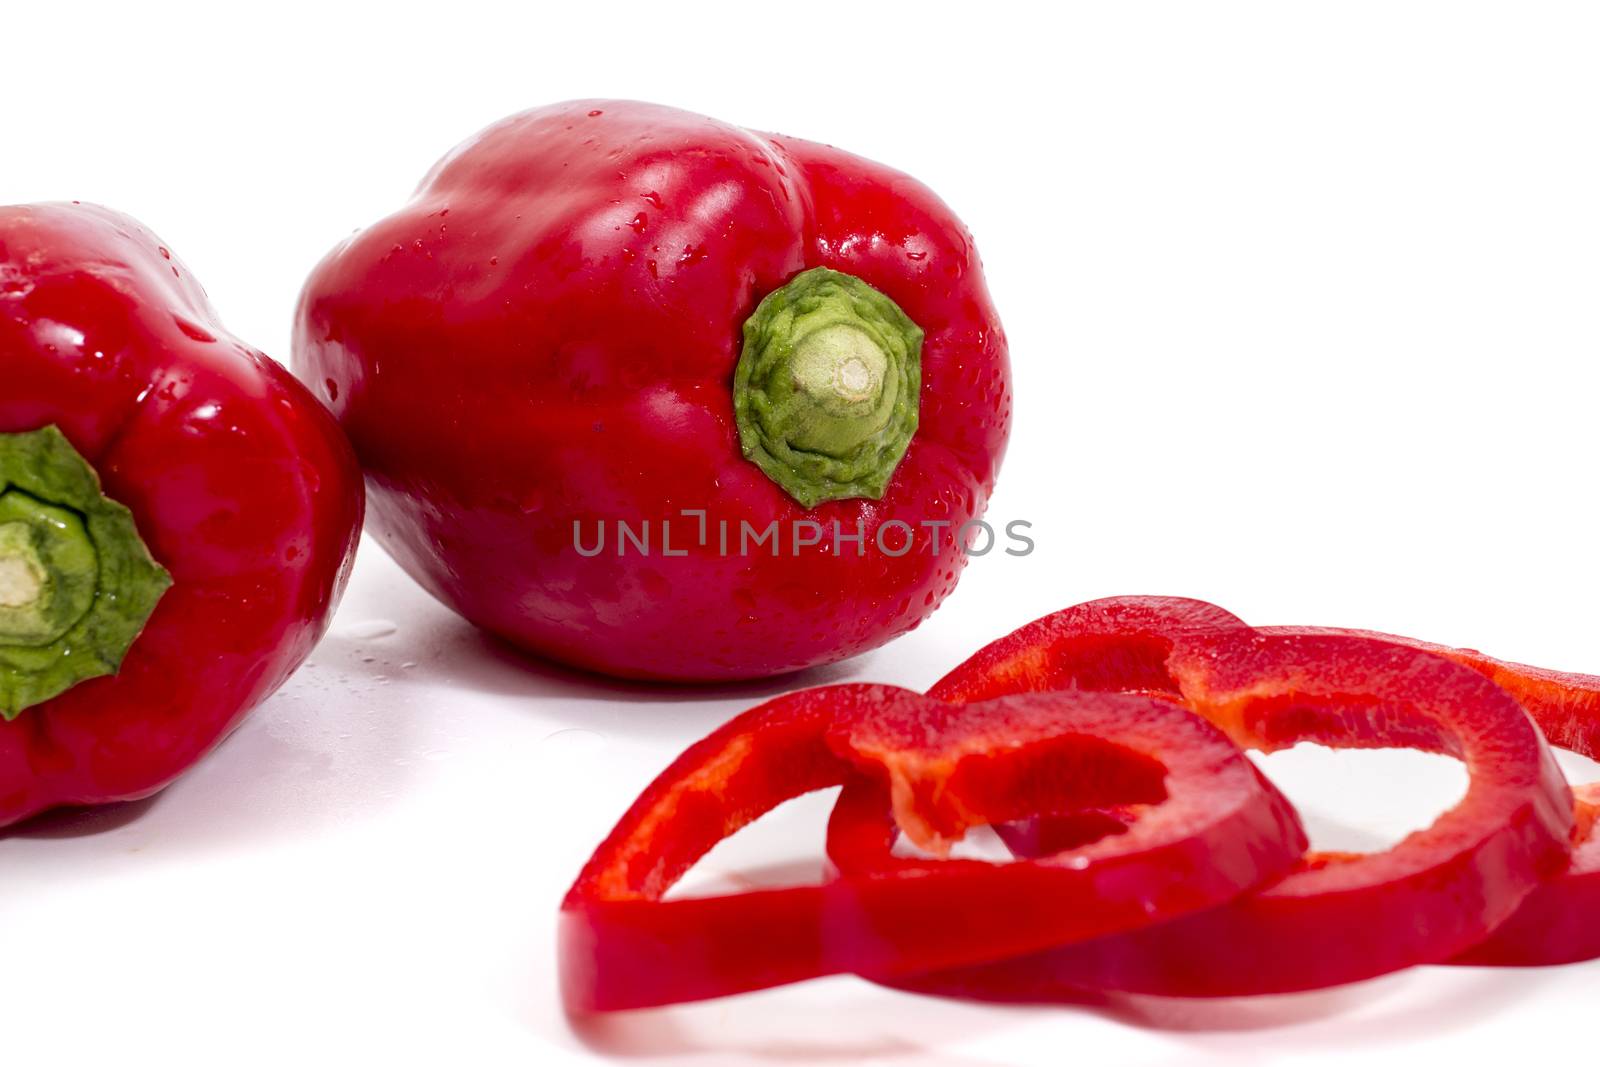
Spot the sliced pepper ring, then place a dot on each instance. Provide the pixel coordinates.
(1338, 918)
(1557, 922)
(1117, 645)
(1211, 829)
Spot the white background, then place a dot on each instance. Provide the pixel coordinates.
(1304, 305)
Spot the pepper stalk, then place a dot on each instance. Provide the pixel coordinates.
(77, 584)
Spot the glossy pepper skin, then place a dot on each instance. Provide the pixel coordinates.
(238, 482)
(548, 335)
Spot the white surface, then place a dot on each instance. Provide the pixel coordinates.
(1303, 307)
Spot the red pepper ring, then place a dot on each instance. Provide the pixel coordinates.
(1339, 918)
(1212, 828)
(1557, 922)
(1117, 644)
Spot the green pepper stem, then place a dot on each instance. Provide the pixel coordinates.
(77, 585)
(826, 391)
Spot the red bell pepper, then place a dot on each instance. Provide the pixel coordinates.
(774, 363)
(177, 514)
(1210, 828)
(1339, 918)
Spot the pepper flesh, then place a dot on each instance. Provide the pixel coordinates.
(1339, 918)
(557, 317)
(237, 481)
(1212, 828)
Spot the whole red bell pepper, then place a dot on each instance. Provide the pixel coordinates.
(776, 364)
(177, 514)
